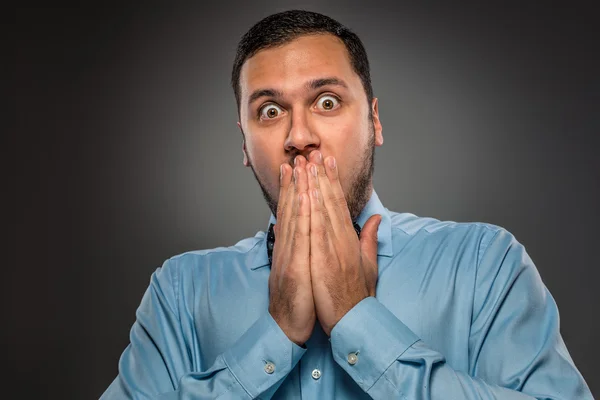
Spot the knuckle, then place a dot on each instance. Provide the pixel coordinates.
(326, 216)
(305, 234)
(281, 215)
(303, 228)
(319, 231)
(286, 276)
(293, 242)
(339, 201)
(323, 242)
(296, 242)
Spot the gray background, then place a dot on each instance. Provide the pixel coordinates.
(126, 152)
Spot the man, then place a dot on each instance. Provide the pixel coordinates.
(340, 297)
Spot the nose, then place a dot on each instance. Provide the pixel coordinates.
(300, 136)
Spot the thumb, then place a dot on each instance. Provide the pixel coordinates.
(368, 237)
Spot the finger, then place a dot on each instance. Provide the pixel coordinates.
(302, 182)
(285, 178)
(368, 238)
(311, 173)
(299, 161)
(289, 210)
(302, 234)
(283, 220)
(293, 210)
(320, 241)
(332, 205)
(337, 194)
(315, 158)
(301, 186)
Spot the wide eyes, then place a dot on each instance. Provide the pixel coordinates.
(270, 111)
(327, 103)
(324, 103)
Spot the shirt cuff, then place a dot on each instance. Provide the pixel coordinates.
(368, 339)
(263, 356)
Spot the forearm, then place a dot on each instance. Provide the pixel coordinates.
(394, 363)
(422, 373)
(241, 372)
(158, 362)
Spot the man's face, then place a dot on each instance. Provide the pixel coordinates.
(305, 96)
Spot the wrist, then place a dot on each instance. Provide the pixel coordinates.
(292, 334)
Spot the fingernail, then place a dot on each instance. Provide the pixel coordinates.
(313, 169)
(295, 160)
(320, 157)
(295, 174)
(315, 193)
(280, 173)
(332, 163)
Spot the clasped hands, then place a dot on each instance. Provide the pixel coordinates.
(320, 268)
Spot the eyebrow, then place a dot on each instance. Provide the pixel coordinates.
(264, 93)
(318, 83)
(310, 85)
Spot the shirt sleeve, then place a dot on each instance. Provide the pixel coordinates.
(515, 347)
(157, 363)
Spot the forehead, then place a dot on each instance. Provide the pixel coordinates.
(290, 66)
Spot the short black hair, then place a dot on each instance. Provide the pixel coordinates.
(278, 29)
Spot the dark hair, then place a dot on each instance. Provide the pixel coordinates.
(283, 27)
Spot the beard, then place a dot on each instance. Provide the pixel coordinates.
(359, 190)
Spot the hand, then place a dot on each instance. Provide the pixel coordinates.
(290, 292)
(343, 267)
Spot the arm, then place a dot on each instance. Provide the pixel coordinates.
(516, 351)
(157, 363)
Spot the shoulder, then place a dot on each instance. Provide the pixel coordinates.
(427, 230)
(181, 276)
(243, 253)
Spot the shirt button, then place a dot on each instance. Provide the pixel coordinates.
(316, 374)
(269, 368)
(352, 358)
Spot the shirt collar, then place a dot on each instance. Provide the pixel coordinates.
(373, 206)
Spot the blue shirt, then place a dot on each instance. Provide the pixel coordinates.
(460, 313)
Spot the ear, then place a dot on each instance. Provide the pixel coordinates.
(377, 123)
(246, 160)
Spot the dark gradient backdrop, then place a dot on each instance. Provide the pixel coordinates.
(126, 152)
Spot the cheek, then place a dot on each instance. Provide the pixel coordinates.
(346, 146)
(347, 141)
(265, 160)
(349, 127)
(345, 138)
(259, 147)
